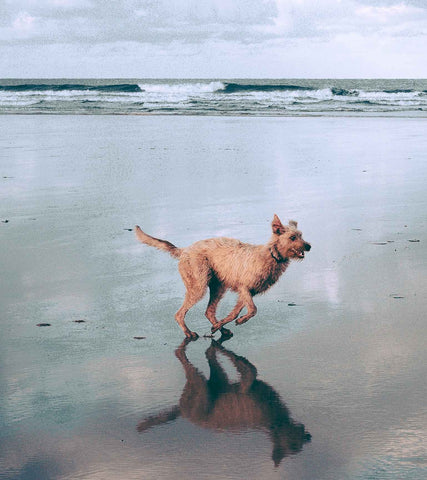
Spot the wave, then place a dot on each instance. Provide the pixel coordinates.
(237, 87)
(45, 87)
(181, 88)
(257, 97)
(343, 92)
(190, 88)
(400, 90)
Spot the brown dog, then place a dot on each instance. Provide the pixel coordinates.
(227, 264)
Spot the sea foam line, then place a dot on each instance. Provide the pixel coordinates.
(189, 88)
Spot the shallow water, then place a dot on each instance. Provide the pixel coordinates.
(338, 343)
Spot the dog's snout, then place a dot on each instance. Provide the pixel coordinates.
(307, 247)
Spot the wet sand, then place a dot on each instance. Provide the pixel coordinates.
(333, 366)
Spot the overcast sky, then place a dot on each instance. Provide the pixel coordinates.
(213, 38)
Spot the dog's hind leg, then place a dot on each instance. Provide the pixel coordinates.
(217, 291)
(189, 301)
(195, 277)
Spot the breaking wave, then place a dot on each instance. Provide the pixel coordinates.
(219, 97)
(46, 87)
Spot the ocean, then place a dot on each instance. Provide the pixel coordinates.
(286, 97)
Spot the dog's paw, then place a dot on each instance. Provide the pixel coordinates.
(216, 327)
(226, 333)
(191, 335)
(241, 321)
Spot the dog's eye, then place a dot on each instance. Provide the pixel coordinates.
(293, 238)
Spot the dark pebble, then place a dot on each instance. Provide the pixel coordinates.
(79, 321)
(43, 324)
(378, 243)
(5, 221)
(292, 304)
(139, 338)
(414, 240)
(128, 229)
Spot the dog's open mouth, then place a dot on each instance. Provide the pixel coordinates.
(298, 253)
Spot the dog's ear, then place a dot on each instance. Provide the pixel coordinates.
(293, 224)
(277, 226)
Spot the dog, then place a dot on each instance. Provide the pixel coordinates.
(228, 264)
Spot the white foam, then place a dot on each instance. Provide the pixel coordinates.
(181, 88)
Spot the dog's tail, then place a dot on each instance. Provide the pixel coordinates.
(157, 243)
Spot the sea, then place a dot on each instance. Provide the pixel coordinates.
(284, 97)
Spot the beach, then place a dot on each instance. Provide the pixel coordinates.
(89, 340)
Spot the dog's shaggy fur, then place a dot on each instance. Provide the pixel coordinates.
(227, 264)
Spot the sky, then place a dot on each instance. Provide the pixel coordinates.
(213, 39)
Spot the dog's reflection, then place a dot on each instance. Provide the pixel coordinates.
(218, 404)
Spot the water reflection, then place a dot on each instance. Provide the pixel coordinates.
(218, 404)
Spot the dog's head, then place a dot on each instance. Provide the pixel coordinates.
(287, 240)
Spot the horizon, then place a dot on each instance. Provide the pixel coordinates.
(213, 78)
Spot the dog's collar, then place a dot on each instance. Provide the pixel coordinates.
(278, 259)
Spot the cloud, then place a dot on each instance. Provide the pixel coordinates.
(381, 3)
(200, 32)
(192, 21)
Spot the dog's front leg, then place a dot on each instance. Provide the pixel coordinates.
(230, 317)
(246, 298)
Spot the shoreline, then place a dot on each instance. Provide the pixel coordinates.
(399, 115)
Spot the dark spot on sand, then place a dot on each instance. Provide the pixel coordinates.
(128, 229)
(414, 240)
(5, 221)
(79, 321)
(43, 324)
(396, 296)
(357, 229)
(378, 243)
(292, 304)
(139, 338)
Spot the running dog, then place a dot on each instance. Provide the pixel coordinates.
(228, 264)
